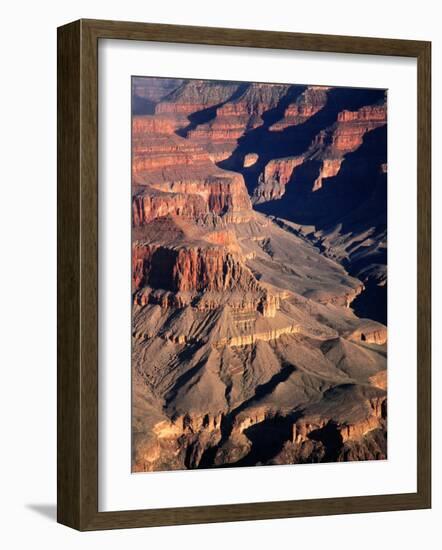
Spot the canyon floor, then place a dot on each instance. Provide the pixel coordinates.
(259, 274)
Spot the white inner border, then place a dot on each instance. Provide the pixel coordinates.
(118, 488)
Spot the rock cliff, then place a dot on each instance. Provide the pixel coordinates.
(173, 175)
(277, 173)
(312, 100)
(234, 117)
(246, 346)
(328, 149)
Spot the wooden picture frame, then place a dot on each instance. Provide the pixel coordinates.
(78, 274)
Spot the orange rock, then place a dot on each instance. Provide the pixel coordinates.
(308, 104)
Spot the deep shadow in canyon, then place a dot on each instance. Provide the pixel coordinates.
(246, 350)
(227, 423)
(293, 140)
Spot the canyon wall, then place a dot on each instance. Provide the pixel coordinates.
(312, 100)
(235, 117)
(252, 205)
(328, 147)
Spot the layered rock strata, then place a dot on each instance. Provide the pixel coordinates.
(172, 175)
(328, 149)
(245, 346)
(235, 117)
(311, 101)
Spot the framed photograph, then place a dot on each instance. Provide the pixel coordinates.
(243, 275)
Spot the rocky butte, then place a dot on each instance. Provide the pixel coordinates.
(259, 226)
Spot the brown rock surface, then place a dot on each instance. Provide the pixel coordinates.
(246, 349)
(233, 118)
(352, 125)
(276, 175)
(172, 175)
(195, 95)
(312, 100)
(329, 148)
(250, 160)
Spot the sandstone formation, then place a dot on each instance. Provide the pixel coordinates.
(250, 160)
(312, 100)
(343, 137)
(192, 103)
(338, 185)
(246, 348)
(277, 173)
(329, 147)
(234, 117)
(172, 175)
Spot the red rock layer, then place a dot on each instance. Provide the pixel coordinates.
(276, 175)
(196, 95)
(345, 136)
(329, 147)
(190, 98)
(220, 135)
(145, 124)
(173, 175)
(184, 269)
(329, 168)
(308, 104)
(256, 100)
(148, 204)
(351, 126)
(250, 159)
(281, 169)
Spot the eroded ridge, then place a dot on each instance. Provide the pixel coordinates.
(246, 349)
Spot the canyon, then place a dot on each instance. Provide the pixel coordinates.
(259, 274)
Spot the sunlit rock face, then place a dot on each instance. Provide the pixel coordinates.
(250, 160)
(275, 176)
(172, 175)
(335, 189)
(190, 268)
(191, 103)
(258, 230)
(328, 149)
(241, 113)
(311, 101)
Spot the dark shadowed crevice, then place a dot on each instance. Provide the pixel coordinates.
(293, 140)
(227, 422)
(206, 115)
(331, 438)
